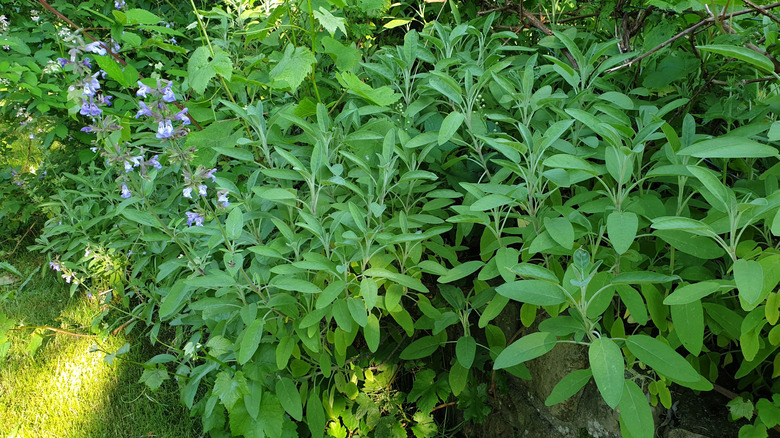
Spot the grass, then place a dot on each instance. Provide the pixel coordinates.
(64, 389)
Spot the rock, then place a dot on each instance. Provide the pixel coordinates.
(682, 433)
(549, 369)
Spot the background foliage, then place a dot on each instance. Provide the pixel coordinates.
(318, 209)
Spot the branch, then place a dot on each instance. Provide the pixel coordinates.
(762, 11)
(708, 21)
(54, 329)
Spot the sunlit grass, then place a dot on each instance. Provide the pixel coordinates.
(64, 390)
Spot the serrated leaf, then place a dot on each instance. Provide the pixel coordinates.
(382, 96)
(292, 69)
(230, 388)
(202, 67)
(330, 22)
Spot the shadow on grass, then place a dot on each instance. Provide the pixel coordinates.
(64, 390)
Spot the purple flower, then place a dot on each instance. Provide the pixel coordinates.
(91, 85)
(125, 192)
(164, 129)
(67, 277)
(194, 217)
(222, 197)
(56, 266)
(96, 47)
(89, 109)
(202, 189)
(144, 111)
(187, 192)
(105, 99)
(103, 74)
(87, 63)
(168, 95)
(154, 162)
(32, 136)
(210, 174)
(182, 116)
(87, 129)
(143, 89)
(63, 61)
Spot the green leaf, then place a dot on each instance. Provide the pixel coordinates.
(369, 291)
(460, 271)
(662, 358)
(251, 340)
(315, 414)
(292, 69)
(382, 96)
(357, 309)
(492, 310)
(230, 389)
(178, 293)
(607, 366)
(458, 378)
(749, 276)
(330, 22)
(539, 292)
(465, 349)
(234, 223)
(755, 59)
(768, 412)
(683, 224)
(561, 231)
(141, 16)
(688, 322)
(524, 349)
(718, 195)
(450, 126)
(640, 277)
(420, 348)
(635, 413)
(141, 217)
(154, 377)
(490, 202)
(564, 161)
(740, 408)
(621, 229)
(371, 332)
(693, 244)
(634, 303)
(729, 147)
(403, 280)
(113, 70)
(691, 292)
(568, 386)
(289, 397)
(295, 285)
(202, 67)
(345, 57)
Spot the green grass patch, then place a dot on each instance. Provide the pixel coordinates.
(66, 389)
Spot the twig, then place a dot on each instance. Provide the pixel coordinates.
(444, 406)
(19, 242)
(760, 9)
(746, 81)
(54, 329)
(708, 21)
(578, 17)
